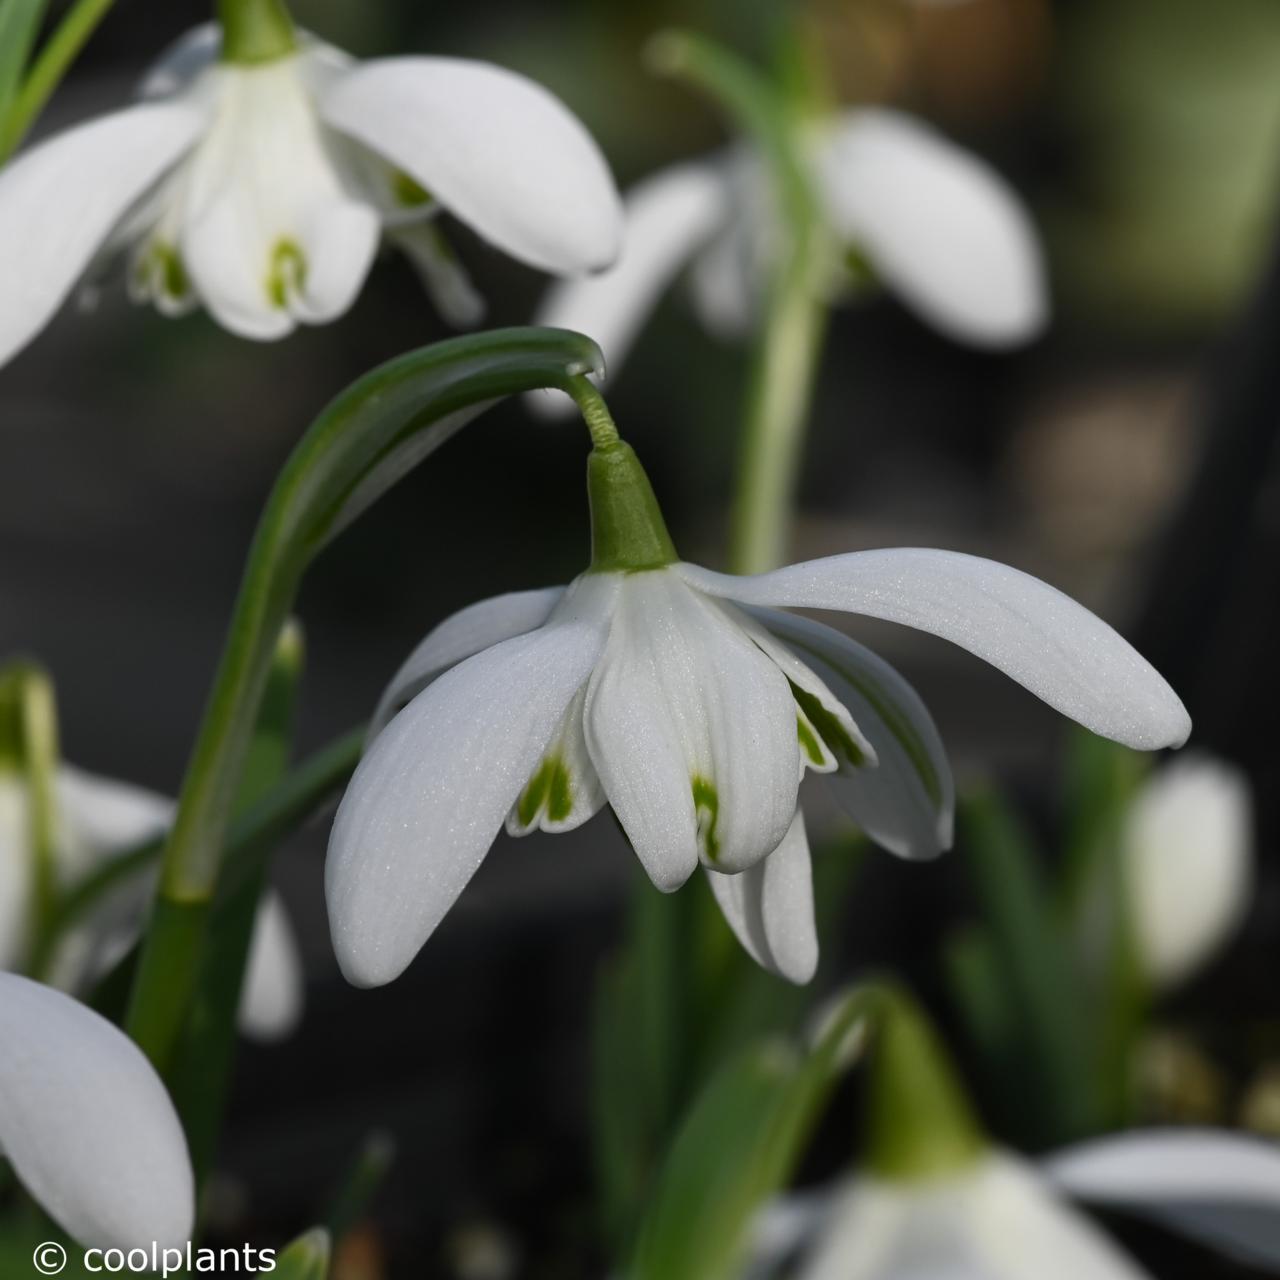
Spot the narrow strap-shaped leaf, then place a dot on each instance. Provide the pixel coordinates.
(361, 445)
(19, 22)
(740, 1143)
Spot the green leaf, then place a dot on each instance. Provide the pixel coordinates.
(19, 22)
(358, 448)
(740, 1144)
(1032, 955)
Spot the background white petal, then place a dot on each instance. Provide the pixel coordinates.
(906, 803)
(272, 996)
(16, 878)
(60, 201)
(1188, 854)
(493, 147)
(87, 1124)
(940, 226)
(1220, 1187)
(459, 636)
(178, 65)
(769, 907)
(667, 217)
(428, 799)
(1031, 631)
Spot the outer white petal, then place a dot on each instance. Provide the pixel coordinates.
(683, 702)
(60, 201)
(182, 62)
(459, 636)
(272, 997)
(1216, 1186)
(87, 1124)
(667, 217)
(906, 803)
(495, 148)
(770, 907)
(1188, 851)
(942, 228)
(103, 817)
(430, 795)
(1029, 630)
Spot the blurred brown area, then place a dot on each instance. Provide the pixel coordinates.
(137, 451)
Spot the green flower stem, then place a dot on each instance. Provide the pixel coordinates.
(255, 31)
(29, 746)
(790, 340)
(55, 59)
(364, 442)
(919, 1120)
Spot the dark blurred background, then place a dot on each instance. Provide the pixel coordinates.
(1128, 457)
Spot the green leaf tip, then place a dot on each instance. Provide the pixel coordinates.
(307, 1258)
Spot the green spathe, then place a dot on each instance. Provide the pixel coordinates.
(920, 1123)
(628, 533)
(255, 31)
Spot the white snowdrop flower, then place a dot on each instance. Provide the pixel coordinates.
(257, 181)
(1187, 849)
(87, 1125)
(692, 703)
(934, 223)
(96, 821)
(1001, 1218)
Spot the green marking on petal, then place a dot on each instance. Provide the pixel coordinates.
(549, 789)
(408, 192)
(860, 268)
(161, 268)
(809, 743)
(895, 719)
(838, 739)
(288, 273)
(706, 804)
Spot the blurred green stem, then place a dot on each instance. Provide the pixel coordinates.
(55, 59)
(790, 338)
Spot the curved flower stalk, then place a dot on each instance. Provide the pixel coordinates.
(901, 205)
(258, 173)
(1187, 850)
(87, 1125)
(96, 821)
(937, 1198)
(692, 704)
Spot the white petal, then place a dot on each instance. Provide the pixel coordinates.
(1216, 1186)
(782, 1226)
(193, 52)
(1020, 1228)
(1028, 629)
(338, 238)
(864, 1224)
(459, 636)
(1188, 852)
(495, 148)
(60, 201)
(940, 226)
(87, 1124)
(770, 907)
(429, 797)
(906, 803)
(565, 790)
(443, 276)
(692, 731)
(103, 816)
(272, 997)
(667, 217)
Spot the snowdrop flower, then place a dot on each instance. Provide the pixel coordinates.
(937, 1198)
(87, 1125)
(98, 820)
(691, 703)
(258, 173)
(1002, 1218)
(933, 222)
(1187, 850)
